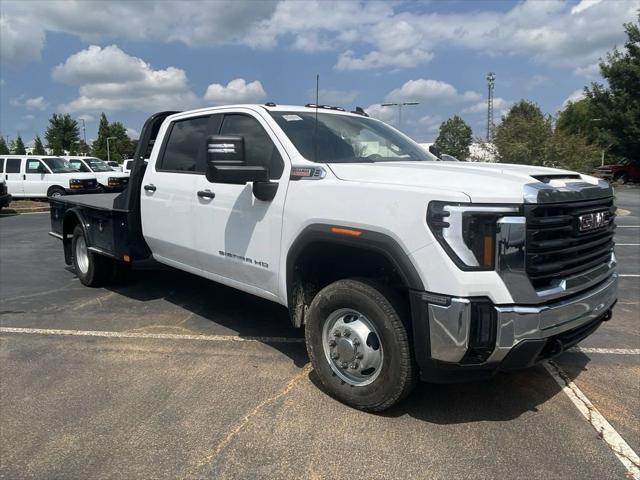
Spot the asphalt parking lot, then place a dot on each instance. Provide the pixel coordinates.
(174, 376)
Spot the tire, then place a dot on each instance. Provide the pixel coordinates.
(56, 192)
(352, 307)
(93, 270)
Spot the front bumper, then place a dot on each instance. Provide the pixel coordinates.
(453, 341)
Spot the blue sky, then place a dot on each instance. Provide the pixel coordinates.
(130, 59)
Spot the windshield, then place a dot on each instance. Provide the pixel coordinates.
(347, 139)
(58, 165)
(98, 165)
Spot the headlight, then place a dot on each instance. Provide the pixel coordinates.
(467, 232)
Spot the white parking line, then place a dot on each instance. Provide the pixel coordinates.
(634, 275)
(612, 351)
(615, 442)
(627, 226)
(627, 244)
(157, 336)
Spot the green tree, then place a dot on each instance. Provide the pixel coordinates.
(119, 143)
(4, 149)
(617, 106)
(523, 134)
(62, 133)
(578, 119)
(38, 148)
(571, 151)
(454, 138)
(19, 149)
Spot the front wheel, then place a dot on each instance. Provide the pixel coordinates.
(56, 192)
(358, 344)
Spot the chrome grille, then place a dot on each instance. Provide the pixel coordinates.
(556, 248)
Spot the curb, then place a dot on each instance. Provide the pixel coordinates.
(18, 211)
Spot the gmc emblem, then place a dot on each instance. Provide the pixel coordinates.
(592, 221)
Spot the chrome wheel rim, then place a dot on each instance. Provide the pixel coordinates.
(56, 193)
(352, 346)
(82, 255)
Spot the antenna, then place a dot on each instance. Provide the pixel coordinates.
(491, 80)
(315, 133)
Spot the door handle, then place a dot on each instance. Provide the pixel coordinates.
(24, 177)
(206, 194)
(150, 188)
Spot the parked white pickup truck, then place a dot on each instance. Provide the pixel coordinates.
(398, 266)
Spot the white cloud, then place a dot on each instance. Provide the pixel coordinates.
(432, 92)
(133, 133)
(86, 117)
(34, 103)
(583, 5)
(386, 114)
(574, 97)
(236, 91)
(591, 71)
(19, 44)
(367, 35)
(28, 117)
(500, 106)
(110, 79)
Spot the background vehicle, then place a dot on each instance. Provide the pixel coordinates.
(5, 196)
(115, 165)
(127, 165)
(44, 176)
(399, 266)
(108, 180)
(625, 171)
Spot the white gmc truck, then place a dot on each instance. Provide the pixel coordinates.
(398, 266)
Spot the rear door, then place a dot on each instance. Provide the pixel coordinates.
(35, 178)
(13, 176)
(168, 194)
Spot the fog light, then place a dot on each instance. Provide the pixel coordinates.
(482, 332)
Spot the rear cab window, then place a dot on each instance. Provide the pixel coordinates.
(184, 150)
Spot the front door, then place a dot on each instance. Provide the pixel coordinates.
(168, 193)
(237, 235)
(13, 176)
(35, 178)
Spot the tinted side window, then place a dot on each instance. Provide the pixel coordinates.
(13, 165)
(184, 151)
(33, 166)
(259, 150)
(1, 165)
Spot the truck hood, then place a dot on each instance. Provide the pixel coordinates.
(76, 175)
(481, 182)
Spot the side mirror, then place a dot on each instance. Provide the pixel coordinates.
(226, 162)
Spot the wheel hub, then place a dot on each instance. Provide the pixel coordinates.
(352, 347)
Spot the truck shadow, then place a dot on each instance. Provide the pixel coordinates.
(505, 397)
(215, 308)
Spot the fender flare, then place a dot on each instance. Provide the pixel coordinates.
(367, 239)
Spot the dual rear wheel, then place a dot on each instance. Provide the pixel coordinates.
(94, 270)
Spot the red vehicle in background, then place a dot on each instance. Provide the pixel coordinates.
(623, 172)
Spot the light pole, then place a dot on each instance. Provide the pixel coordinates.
(399, 105)
(108, 152)
(84, 130)
(595, 120)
